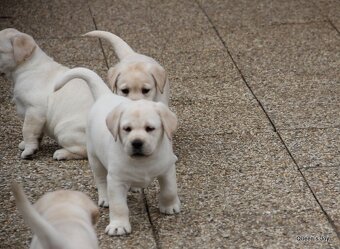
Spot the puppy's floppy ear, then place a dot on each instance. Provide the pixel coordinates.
(169, 119)
(113, 120)
(94, 215)
(23, 47)
(112, 76)
(86, 203)
(159, 75)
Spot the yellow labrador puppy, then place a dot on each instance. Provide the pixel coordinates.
(129, 144)
(136, 76)
(61, 115)
(61, 219)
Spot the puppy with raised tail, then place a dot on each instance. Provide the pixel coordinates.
(136, 76)
(62, 219)
(60, 115)
(129, 144)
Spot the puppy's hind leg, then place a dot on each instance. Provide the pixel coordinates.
(64, 154)
(100, 178)
(32, 131)
(73, 147)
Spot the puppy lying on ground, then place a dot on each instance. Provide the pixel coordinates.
(136, 76)
(61, 115)
(61, 219)
(129, 144)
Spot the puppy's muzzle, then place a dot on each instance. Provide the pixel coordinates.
(137, 147)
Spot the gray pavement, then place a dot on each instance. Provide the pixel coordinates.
(256, 87)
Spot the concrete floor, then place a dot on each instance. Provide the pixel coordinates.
(256, 87)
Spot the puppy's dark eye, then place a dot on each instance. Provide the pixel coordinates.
(125, 91)
(145, 90)
(127, 129)
(149, 128)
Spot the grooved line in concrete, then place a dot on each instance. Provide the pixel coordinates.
(153, 227)
(321, 167)
(100, 42)
(272, 123)
(317, 200)
(309, 128)
(326, 16)
(238, 69)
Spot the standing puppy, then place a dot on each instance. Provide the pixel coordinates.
(136, 76)
(129, 144)
(62, 219)
(61, 115)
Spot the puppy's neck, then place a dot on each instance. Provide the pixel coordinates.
(34, 62)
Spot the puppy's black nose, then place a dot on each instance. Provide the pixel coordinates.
(137, 144)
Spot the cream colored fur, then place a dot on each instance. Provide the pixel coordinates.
(136, 76)
(60, 115)
(129, 144)
(62, 219)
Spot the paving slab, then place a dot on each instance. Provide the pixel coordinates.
(295, 78)
(199, 64)
(68, 49)
(76, 52)
(260, 201)
(242, 151)
(301, 48)
(206, 230)
(156, 27)
(203, 115)
(330, 8)
(299, 101)
(325, 183)
(158, 44)
(49, 19)
(234, 15)
(314, 147)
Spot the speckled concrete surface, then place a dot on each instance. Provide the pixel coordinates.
(255, 85)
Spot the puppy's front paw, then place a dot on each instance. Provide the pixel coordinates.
(136, 190)
(103, 202)
(118, 228)
(28, 152)
(170, 209)
(22, 145)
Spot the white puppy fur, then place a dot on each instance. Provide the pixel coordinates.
(136, 76)
(129, 144)
(61, 115)
(60, 219)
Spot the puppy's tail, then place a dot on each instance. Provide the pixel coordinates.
(121, 48)
(48, 236)
(95, 83)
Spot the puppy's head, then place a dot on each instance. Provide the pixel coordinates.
(15, 48)
(136, 81)
(140, 126)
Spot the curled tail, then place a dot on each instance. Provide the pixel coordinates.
(48, 236)
(95, 83)
(122, 49)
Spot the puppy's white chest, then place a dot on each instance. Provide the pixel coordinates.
(142, 182)
(139, 175)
